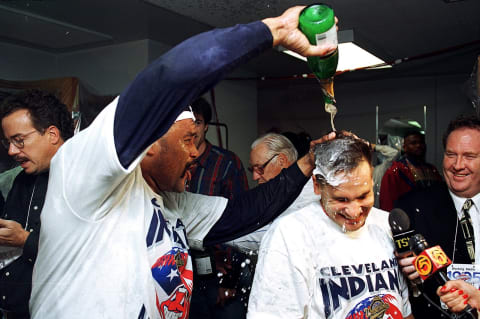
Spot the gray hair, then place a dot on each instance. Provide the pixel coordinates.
(277, 143)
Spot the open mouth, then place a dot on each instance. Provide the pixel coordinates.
(351, 220)
(187, 173)
(188, 177)
(460, 176)
(21, 160)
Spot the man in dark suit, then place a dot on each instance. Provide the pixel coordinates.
(448, 215)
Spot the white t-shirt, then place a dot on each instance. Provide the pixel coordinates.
(109, 246)
(309, 268)
(250, 243)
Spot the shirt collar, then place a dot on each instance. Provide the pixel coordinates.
(459, 201)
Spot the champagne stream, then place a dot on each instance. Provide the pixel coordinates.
(330, 102)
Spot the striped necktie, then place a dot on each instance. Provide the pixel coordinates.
(467, 229)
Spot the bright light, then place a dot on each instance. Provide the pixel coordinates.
(350, 57)
(414, 123)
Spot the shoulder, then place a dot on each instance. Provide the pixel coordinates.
(430, 201)
(378, 227)
(297, 225)
(223, 152)
(378, 217)
(396, 165)
(435, 193)
(22, 177)
(226, 156)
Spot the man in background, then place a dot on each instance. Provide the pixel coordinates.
(410, 172)
(34, 126)
(269, 155)
(218, 269)
(448, 214)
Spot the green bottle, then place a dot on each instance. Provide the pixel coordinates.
(317, 22)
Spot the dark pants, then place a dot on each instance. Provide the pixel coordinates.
(204, 302)
(14, 315)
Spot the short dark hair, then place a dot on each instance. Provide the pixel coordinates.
(202, 107)
(340, 155)
(44, 108)
(462, 121)
(413, 132)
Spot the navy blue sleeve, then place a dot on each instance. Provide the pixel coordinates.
(152, 102)
(257, 207)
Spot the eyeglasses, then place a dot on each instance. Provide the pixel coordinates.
(260, 169)
(17, 140)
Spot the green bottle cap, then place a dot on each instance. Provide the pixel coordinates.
(318, 18)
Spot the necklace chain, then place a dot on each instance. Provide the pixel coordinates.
(30, 204)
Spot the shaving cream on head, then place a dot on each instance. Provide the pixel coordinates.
(330, 164)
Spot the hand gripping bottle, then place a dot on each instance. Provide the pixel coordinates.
(317, 22)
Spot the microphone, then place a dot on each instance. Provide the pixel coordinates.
(432, 262)
(400, 225)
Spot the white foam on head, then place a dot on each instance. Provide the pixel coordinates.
(331, 178)
(325, 158)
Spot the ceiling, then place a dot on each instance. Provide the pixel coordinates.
(391, 29)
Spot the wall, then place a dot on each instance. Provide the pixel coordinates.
(236, 103)
(106, 70)
(109, 69)
(297, 105)
(19, 63)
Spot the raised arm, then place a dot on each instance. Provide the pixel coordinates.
(259, 206)
(148, 107)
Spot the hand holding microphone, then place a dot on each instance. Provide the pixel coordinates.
(456, 294)
(432, 262)
(400, 225)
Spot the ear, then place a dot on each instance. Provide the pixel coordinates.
(54, 135)
(206, 128)
(282, 160)
(154, 148)
(316, 186)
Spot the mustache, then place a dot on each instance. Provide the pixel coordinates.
(20, 159)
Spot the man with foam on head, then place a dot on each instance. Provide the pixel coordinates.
(333, 258)
(117, 225)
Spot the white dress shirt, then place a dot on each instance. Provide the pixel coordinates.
(475, 216)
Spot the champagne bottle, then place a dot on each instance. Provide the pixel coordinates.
(317, 22)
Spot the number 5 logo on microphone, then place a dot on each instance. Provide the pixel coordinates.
(423, 265)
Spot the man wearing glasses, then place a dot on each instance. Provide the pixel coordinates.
(270, 154)
(34, 126)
